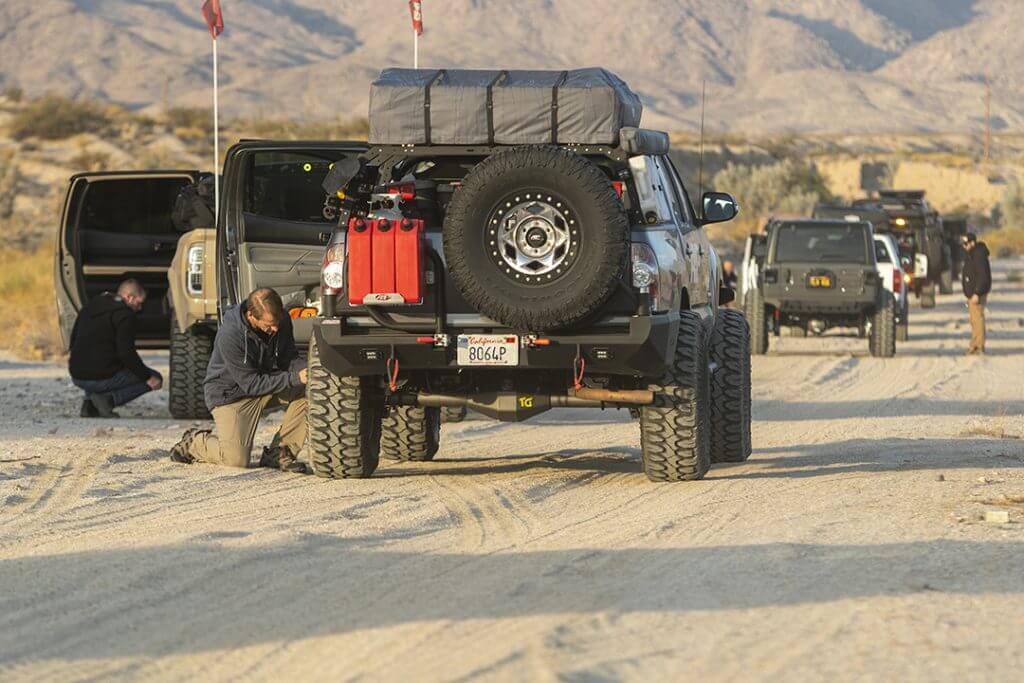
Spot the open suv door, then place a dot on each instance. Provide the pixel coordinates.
(117, 225)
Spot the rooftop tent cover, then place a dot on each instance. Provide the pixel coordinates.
(468, 107)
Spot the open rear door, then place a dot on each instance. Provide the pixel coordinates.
(115, 226)
(275, 232)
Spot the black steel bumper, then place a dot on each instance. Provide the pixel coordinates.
(643, 346)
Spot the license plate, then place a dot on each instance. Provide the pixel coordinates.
(819, 281)
(488, 349)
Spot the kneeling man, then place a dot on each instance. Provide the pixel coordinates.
(254, 365)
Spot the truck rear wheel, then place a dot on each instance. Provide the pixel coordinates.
(946, 281)
(675, 430)
(410, 433)
(536, 238)
(883, 328)
(729, 350)
(928, 296)
(189, 355)
(758, 319)
(344, 422)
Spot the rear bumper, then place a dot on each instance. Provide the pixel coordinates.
(635, 346)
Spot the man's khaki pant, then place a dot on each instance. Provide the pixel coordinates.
(236, 428)
(977, 313)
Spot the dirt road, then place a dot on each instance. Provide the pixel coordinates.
(850, 546)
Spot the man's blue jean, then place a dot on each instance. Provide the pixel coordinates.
(122, 387)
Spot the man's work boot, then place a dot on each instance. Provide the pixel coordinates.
(104, 405)
(282, 458)
(180, 450)
(88, 409)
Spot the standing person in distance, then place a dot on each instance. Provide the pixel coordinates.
(977, 283)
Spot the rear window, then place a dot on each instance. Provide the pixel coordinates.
(834, 243)
(286, 185)
(130, 206)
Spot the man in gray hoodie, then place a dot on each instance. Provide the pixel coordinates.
(254, 365)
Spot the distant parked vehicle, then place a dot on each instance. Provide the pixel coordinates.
(894, 279)
(820, 274)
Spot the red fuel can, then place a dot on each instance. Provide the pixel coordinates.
(360, 260)
(409, 260)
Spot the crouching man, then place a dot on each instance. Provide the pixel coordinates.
(254, 365)
(103, 361)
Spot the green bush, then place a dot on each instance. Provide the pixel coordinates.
(788, 187)
(53, 117)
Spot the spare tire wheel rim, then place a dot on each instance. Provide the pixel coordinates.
(533, 237)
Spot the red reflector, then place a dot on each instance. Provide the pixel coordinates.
(510, 340)
(619, 187)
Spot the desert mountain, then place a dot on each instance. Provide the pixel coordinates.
(771, 65)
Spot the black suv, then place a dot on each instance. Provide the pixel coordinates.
(511, 243)
(820, 274)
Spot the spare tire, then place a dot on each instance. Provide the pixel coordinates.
(536, 238)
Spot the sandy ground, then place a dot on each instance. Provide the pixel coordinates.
(851, 546)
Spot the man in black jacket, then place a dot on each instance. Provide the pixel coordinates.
(254, 365)
(103, 361)
(977, 283)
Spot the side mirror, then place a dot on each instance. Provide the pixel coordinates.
(718, 207)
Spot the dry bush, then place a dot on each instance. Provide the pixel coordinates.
(1005, 242)
(52, 117)
(13, 93)
(9, 177)
(26, 293)
(190, 122)
(283, 129)
(90, 161)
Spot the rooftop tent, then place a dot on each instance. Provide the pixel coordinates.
(468, 107)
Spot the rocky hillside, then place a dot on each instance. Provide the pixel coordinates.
(771, 65)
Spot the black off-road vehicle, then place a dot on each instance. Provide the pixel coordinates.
(924, 251)
(820, 274)
(511, 243)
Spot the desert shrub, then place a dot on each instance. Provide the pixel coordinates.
(1011, 207)
(91, 161)
(13, 93)
(357, 128)
(787, 187)
(1005, 242)
(26, 286)
(53, 117)
(9, 178)
(195, 121)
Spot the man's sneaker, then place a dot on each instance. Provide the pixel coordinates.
(104, 405)
(180, 451)
(88, 409)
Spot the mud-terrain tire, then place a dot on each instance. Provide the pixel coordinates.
(568, 206)
(903, 332)
(882, 342)
(928, 296)
(189, 355)
(946, 282)
(343, 419)
(675, 439)
(410, 433)
(729, 350)
(758, 321)
(449, 415)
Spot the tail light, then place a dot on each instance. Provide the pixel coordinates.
(645, 269)
(332, 273)
(897, 281)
